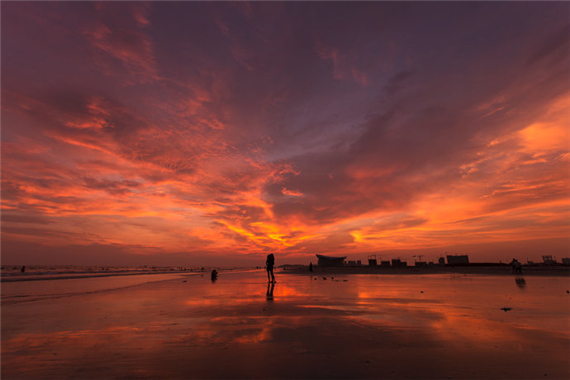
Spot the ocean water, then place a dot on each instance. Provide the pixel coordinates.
(53, 288)
(33, 283)
(20, 273)
(50, 282)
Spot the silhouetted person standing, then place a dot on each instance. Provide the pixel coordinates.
(269, 266)
(214, 275)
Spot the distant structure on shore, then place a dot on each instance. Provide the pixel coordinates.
(454, 260)
(331, 261)
(457, 259)
(548, 260)
(398, 263)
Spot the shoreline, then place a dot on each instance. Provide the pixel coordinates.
(64, 276)
(17, 277)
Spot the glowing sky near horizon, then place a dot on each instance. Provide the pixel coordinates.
(229, 130)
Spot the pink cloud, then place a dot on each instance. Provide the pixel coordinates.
(119, 32)
(343, 65)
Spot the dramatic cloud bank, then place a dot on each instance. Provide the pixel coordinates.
(214, 132)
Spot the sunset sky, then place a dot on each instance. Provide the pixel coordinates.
(213, 133)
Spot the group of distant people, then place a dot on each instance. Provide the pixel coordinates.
(517, 266)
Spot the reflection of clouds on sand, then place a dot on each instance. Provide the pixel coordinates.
(247, 294)
(235, 330)
(36, 340)
(367, 327)
(459, 310)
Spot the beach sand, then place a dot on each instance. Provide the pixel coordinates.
(353, 326)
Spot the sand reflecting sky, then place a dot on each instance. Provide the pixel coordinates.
(349, 326)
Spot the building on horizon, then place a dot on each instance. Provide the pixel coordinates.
(548, 260)
(330, 261)
(457, 259)
(397, 263)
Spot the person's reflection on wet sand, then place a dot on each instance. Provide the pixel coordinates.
(521, 282)
(269, 294)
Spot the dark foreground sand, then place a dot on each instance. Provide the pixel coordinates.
(353, 326)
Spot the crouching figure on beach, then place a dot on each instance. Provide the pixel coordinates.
(269, 263)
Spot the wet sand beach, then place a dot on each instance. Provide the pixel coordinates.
(437, 326)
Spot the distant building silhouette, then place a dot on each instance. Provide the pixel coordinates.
(397, 263)
(548, 260)
(457, 259)
(331, 261)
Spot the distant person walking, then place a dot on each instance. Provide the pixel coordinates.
(517, 266)
(269, 263)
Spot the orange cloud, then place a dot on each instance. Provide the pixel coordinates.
(218, 132)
